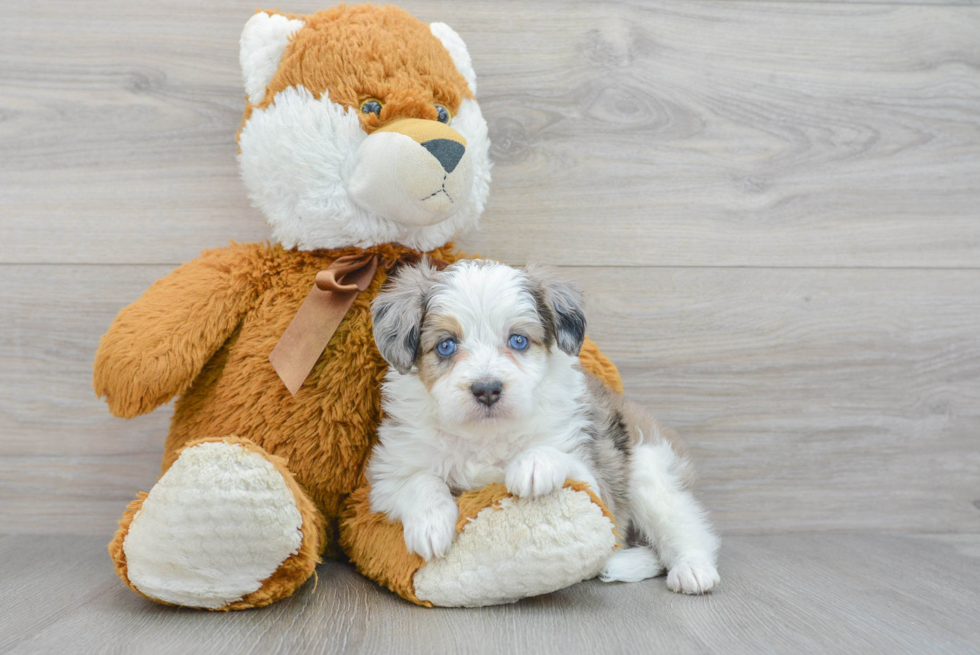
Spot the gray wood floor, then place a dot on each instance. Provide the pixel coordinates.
(870, 593)
(774, 208)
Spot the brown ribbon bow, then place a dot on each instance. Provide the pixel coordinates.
(332, 295)
(319, 317)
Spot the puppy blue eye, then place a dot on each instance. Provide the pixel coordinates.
(518, 342)
(446, 348)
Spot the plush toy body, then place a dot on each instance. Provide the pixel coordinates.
(361, 137)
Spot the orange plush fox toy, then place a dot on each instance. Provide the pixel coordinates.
(361, 139)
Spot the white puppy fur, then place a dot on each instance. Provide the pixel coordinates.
(323, 182)
(485, 386)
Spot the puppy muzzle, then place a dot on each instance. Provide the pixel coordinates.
(413, 171)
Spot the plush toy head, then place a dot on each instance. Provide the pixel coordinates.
(361, 128)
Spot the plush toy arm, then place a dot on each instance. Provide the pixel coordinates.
(497, 556)
(594, 362)
(156, 346)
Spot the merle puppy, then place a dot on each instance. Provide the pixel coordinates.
(485, 386)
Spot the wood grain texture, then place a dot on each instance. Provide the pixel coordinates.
(813, 399)
(870, 593)
(965, 3)
(66, 465)
(625, 133)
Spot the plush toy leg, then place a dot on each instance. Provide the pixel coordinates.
(506, 548)
(226, 527)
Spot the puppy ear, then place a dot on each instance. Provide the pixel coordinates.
(561, 306)
(398, 311)
(263, 41)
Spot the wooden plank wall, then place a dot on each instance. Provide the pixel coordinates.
(774, 208)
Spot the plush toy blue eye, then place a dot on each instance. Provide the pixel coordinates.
(371, 106)
(518, 342)
(446, 348)
(443, 115)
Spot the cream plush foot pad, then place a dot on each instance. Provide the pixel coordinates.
(219, 522)
(534, 547)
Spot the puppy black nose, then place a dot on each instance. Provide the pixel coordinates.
(448, 152)
(487, 391)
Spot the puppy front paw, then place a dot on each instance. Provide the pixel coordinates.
(430, 533)
(535, 473)
(693, 576)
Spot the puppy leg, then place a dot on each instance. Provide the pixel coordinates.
(631, 565)
(426, 508)
(541, 470)
(672, 519)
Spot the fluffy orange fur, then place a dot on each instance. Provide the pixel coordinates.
(341, 51)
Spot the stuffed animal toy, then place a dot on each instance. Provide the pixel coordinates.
(363, 145)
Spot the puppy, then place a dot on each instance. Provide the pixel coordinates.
(485, 386)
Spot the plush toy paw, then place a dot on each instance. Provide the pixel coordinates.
(505, 549)
(536, 472)
(519, 547)
(693, 576)
(631, 565)
(214, 529)
(430, 533)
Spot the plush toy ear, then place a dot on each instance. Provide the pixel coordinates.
(263, 40)
(561, 306)
(398, 311)
(457, 50)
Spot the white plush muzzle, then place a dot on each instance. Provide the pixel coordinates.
(322, 182)
(396, 177)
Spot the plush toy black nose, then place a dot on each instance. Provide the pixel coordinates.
(446, 151)
(487, 391)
